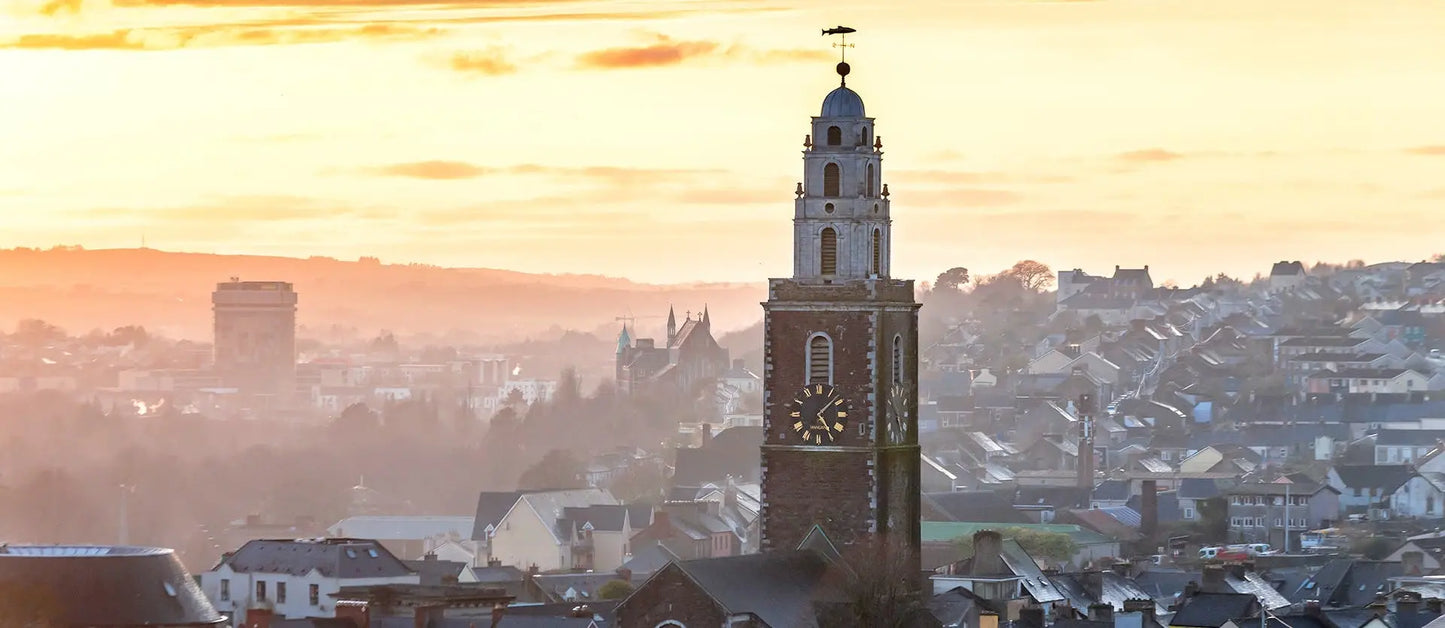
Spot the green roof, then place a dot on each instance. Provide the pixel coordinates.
(944, 531)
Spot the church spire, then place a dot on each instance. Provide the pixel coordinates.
(671, 326)
(706, 320)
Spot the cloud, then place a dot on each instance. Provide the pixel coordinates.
(664, 52)
(433, 170)
(489, 62)
(235, 209)
(202, 37)
(1149, 155)
(446, 170)
(1426, 150)
(54, 7)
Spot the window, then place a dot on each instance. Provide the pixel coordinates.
(225, 589)
(828, 207)
(820, 359)
(830, 180)
(314, 595)
(280, 592)
(828, 252)
(1189, 513)
(868, 182)
(260, 590)
(898, 359)
(863, 136)
(877, 252)
(1277, 522)
(835, 136)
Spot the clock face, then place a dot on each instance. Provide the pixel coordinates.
(818, 414)
(898, 414)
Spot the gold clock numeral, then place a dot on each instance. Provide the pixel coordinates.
(798, 426)
(795, 414)
(842, 415)
(839, 402)
(807, 435)
(838, 427)
(807, 392)
(820, 389)
(819, 439)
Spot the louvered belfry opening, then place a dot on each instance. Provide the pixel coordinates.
(868, 182)
(829, 252)
(897, 359)
(877, 252)
(820, 358)
(830, 180)
(835, 136)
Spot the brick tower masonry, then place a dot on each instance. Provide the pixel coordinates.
(843, 329)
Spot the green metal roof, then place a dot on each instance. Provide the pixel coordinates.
(944, 531)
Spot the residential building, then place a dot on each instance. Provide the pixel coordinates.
(1368, 489)
(407, 537)
(295, 578)
(1264, 511)
(1366, 381)
(537, 532)
(1286, 276)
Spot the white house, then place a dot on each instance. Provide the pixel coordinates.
(530, 534)
(408, 537)
(295, 578)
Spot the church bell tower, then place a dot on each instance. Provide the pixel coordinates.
(841, 340)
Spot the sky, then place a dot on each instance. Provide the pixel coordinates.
(658, 140)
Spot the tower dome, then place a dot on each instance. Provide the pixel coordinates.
(842, 103)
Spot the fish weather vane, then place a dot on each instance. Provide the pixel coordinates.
(842, 45)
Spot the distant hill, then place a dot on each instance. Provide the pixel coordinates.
(169, 292)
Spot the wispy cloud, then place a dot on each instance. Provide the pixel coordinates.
(445, 169)
(973, 178)
(198, 37)
(490, 62)
(1426, 150)
(665, 51)
(958, 197)
(235, 209)
(1149, 155)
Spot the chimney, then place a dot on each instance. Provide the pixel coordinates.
(1312, 608)
(1093, 581)
(1122, 568)
(1143, 606)
(494, 562)
(1237, 570)
(987, 550)
(624, 574)
(426, 614)
(1413, 563)
(1213, 579)
(258, 618)
(1408, 602)
(988, 619)
(1030, 617)
(498, 611)
(1101, 611)
(1149, 508)
(1380, 606)
(706, 430)
(355, 611)
(1435, 606)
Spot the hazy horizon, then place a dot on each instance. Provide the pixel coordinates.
(657, 141)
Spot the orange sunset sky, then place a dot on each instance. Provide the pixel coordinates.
(659, 140)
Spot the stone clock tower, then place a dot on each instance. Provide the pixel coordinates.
(841, 341)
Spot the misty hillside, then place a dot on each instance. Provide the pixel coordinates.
(169, 292)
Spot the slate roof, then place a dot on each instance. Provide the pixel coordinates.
(1165, 584)
(602, 517)
(1112, 490)
(1350, 582)
(1286, 269)
(1419, 438)
(778, 587)
(1167, 502)
(953, 607)
(434, 572)
(120, 586)
(1387, 477)
(1212, 610)
(491, 507)
(585, 585)
(981, 506)
(333, 558)
(732, 452)
(497, 574)
(1277, 488)
(649, 559)
(1113, 587)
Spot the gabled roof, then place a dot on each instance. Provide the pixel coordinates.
(778, 587)
(1281, 269)
(1212, 610)
(332, 558)
(980, 506)
(1386, 477)
(491, 507)
(602, 517)
(1112, 490)
(1115, 589)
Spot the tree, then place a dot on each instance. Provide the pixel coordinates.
(952, 280)
(1055, 546)
(1373, 547)
(644, 483)
(1213, 520)
(358, 418)
(558, 469)
(1033, 276)
(614, 589)
(877, 580)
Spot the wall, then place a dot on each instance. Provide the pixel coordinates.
(522, 539)
(669, 596)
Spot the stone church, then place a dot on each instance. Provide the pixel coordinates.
(690, 359)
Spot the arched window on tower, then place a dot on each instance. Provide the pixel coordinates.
(820, 359)
(830, 180)
(868, 182)
(863, 137)
(898, 359)
(835, 136)
(877, 252)
(828, 252)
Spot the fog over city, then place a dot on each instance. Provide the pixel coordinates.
(587, 314)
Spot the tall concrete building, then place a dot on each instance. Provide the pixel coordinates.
(255, 337)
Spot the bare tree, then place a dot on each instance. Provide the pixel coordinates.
(880, 582)
(1034, 276)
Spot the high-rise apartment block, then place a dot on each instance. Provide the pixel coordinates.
(255, 336)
